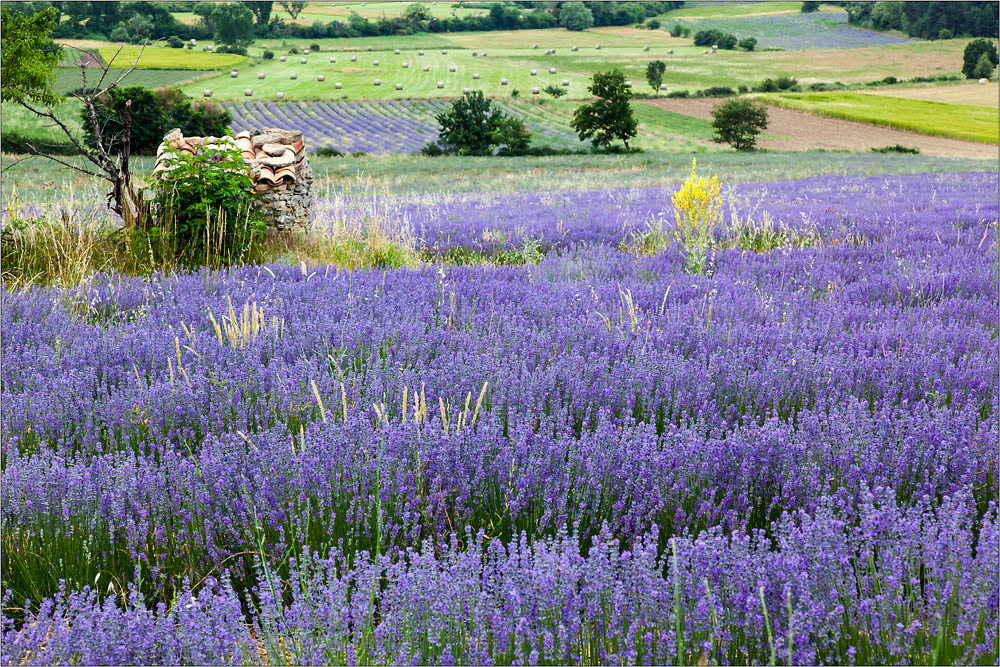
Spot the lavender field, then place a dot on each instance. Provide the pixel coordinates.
(558, 447)
(373, 126)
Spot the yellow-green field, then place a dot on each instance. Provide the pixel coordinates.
(961, 121)
(158, 57)
(966, 92)
(720, 10)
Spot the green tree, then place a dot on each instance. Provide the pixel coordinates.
(204, 10)
(984, 68)
(474, 127)
(888, 16)
(974, 51)
(233, 24)
(738, 121)
(27, 62)
(748, 44)
(610, 116)
(294, 8)
(261, 10)
(809, 7)
(654, 74)
(575, 16)
(417, 13)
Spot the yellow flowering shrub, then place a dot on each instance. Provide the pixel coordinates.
(697, 208)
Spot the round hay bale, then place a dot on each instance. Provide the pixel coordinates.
(574, 49)
(420, 53)
(663, 86)
(293, 76)
(405, 65)
(207, 92)
(426, 68)
(483, 54)
(375, 63)
(338, 85)
(451, 68)
(280, 95)
(369, 48)
(305, 52)
(302, 61)
(260, 76)
(194, 41)
(704, 52)
(444, 52)
(628, 84)
(503, 82)
(395, 52)
(534, 46)
(466, 90)
(248, 92)
(440, 84)
(552, 70)
(565, 82)
(475, 76)
(282, 59)
(645, 48)
(597, 47)
(321, 77)
(354, 59)
(399, 86)
(715, 47)
(983, 81)
(377, 82)
(670, 52)
(233, 74)
(333, 60)
(536, 90)
(534, 72)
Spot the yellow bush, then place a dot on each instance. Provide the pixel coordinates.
(697, 207)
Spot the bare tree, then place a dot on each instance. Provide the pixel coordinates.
(110, 152)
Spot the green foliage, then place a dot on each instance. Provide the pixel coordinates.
(713, 37)
(261, 10)
(653, 24)
(888, 16)
(984, 68)
(748, 43)
(153, 114)
(610, 116)
(175, 42)
(897, 148)
(293, 8)
(554, 91)
(27, 61)
(680, 30)
(206, 211)
(233, 24)
(737, 122)
(575, 16)
(809, 6)
(974, 51)
(473, 126)
(268, 55)
(697, 209)
(654, 74)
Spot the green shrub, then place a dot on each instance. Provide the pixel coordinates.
(314, 47)
(984, 68)
(268, 55)
(206, 212)
(679, 31)
(678, 93)
(896, 148)
(554, 91)
(293, 51)
(472, 126)
(326, 151)
(974, 51)
(716, 91)
(945, 33)
(175, 42)
(748, 44)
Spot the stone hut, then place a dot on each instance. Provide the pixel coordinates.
(278, 166)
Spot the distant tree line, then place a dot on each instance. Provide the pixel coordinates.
(137, 22)
(927, 20)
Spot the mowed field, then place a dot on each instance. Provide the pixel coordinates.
(968, 92)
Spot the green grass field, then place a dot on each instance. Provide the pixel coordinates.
(960, 121)
(69, 79)
(687, 67)
(18, 120)
(159, 57)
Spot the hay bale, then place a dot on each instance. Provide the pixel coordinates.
(503, 82)
(354, 59)
(207, 92)
(280, 95)
(338, 85)
(597, 47)
(282, 59)
(451, 68)
(405, 65)
(670, 52)
(377, 82)
(552, 70)
(321, 77)
(399, 86)
(369, 48)
(983, 81)
(645, 48)
(293, 76)
(426, 68)
(333, 60)
(466, 90)
(536, 90)
(534, 46)
(715, 47)
(574, 49)
(247, 92)
(534, 72)
(395, 52)
(628, 84)
(302, 61)
(420, 53)
(305, 52)
(565, 82)
(444, 52)
(475, 76)
(440, 84)
(663, 86)
(260, 76)
(233, 74)
(375, 63)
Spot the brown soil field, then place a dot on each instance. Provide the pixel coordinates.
(961, 93)
(799, 131)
